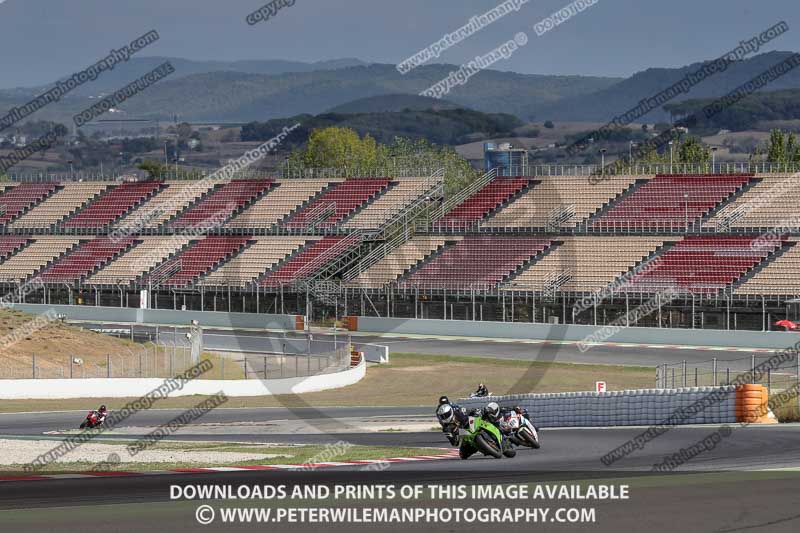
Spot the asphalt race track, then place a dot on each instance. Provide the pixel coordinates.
(578, 449)
(551, 350)
(567, 454)
(748, 482)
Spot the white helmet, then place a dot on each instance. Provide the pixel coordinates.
(445, 413)
(492, 410)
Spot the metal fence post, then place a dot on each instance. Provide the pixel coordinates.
(33, 363)
(684, 372)
(108, 365)
(715, 371)
(222, 364)
(265, 367)
(673, 377)
(71, 360)
(695, 376)
(753, 367)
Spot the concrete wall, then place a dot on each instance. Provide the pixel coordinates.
(15, 389)
(124, 315)
(509, 330)
(374, 353)
(618, 408)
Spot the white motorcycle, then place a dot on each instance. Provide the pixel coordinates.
(519, 429)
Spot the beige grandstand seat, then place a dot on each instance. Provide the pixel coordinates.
(255, 260)
(780, 276)
(399, 261)
(585, 264)
(767, 204)
(141, 259)
(395, 200)
(175, 198)
(573, 195)
(279, 203)
(44, 250)
(53, 210)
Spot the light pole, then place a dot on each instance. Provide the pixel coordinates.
(166, 154)
(630, 151)
(602, 160)
(686, 211)
(71, 170)
(713, 158)
(670, 157)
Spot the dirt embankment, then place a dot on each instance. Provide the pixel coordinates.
(23, 335)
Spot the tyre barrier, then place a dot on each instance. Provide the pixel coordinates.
(643, 407)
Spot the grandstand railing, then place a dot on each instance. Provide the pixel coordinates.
(471, 189)
(734, 167)
(731, 167)
(162, 273)
(400, 228)
(333, 255)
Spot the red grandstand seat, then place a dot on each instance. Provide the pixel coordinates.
(222, 202)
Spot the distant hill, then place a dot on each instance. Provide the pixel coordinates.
(126, 72)
(442, 126)
(606, 103)
(745, 114)
(247, 91)
(243, 97)
(393, 102)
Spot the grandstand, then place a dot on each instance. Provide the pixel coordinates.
(530, 247)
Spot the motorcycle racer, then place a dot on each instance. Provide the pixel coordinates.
(451, 417)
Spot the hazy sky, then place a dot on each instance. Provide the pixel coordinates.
(41, 40)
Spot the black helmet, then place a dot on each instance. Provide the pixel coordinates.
(102, 408)
(445, 413)
(492, 410)
(443, 400)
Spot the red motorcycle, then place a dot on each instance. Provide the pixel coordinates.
(93, 420)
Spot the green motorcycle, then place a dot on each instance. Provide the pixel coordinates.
(482, 436)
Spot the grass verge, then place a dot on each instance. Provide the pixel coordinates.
(288, 454)
(412, 380)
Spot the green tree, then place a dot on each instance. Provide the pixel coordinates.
(406, 153)
(184, 130)
(782, 148)
(153, 168)
(549, 124)
(339, 147)
(776, 150)
(692, 150)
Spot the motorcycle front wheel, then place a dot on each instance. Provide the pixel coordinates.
(487, 447)
(529, 439)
